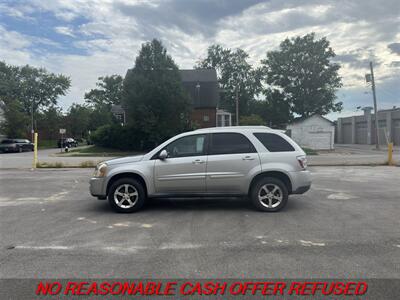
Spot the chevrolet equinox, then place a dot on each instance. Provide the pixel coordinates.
(258, 162)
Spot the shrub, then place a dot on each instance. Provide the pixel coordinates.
(122, 137)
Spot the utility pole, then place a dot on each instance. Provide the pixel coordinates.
(375, 106)
(237, 105)
(32, 130)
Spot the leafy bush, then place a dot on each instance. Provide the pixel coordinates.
(122, 137)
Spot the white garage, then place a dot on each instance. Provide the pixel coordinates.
(314, 132)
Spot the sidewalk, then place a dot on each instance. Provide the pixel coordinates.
(345, 154)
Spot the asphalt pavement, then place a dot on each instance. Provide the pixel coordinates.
(347, 225)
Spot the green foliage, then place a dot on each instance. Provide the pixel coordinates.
(25, 90)
(155, 101)
(121, 137)
(49, 121)
(16, 122)
(303, 72)
(274, 109)
(234, 72)
(77, 120)
(108, 91)
(251, 120)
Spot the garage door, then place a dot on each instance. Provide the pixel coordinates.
(320, 140)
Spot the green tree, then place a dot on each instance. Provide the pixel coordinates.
(273, 109)
(15, 123)
(303, 72)
(49, 121)
(153, 94)
(252, 119)
(77, 120)
(108, 91)
(234, 73)
(32, 88)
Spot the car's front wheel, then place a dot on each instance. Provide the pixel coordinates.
(126, 195)
(269, 194)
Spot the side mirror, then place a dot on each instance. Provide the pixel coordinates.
(163, 154)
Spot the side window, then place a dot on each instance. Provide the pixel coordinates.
(230, 143)
(191, 145)
(273, 142)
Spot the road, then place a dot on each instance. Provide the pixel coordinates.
(344, 155)
(347, 225)
(24, 160)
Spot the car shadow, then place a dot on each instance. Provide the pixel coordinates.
(198, 204)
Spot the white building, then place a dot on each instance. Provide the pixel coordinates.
(224, 118)
(314, 132)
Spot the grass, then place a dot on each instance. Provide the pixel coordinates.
(309, 151)
(46, 144)
(97, 151)
(57, 165)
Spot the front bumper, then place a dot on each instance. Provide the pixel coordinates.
(98, 186)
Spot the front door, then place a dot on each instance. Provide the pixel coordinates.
(231, 160)
(184, 170)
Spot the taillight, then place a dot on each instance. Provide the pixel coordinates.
(302, 161)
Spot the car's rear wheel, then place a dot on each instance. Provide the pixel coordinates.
(126, 195)
(20, 149)
(269, 194)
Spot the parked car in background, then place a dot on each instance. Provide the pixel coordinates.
(16, 145)
(254, 161)
(67, 142)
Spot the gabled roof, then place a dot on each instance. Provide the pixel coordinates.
(201, 86)
(202, 75)
(301, 119)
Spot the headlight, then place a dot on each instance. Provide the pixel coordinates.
(100, 170)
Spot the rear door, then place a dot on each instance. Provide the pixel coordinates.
(232, 158)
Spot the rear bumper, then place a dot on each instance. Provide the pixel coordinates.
(301, 181)
(301, 189)
(97, 187)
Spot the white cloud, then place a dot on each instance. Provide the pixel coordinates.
(64, 30)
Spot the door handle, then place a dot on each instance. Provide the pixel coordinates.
(248, 158)
(198, 161)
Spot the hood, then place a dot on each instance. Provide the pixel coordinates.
(124, 160)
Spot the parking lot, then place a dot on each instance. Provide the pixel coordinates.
(347, 225)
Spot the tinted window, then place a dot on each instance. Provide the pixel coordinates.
(7, 142)
(192, 145)
(230, 143)
(273, 142)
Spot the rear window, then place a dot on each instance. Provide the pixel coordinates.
(273, 142)
(230, 143)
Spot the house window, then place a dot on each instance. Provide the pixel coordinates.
(206, 118)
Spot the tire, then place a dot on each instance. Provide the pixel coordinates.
(269, 194)
(134, 203)
(20, 150)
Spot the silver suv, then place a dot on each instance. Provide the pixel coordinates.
(258, 162)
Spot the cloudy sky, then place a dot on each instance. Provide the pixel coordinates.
(85, 39)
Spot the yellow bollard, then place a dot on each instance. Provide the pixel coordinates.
(390, 154)
(35, 151)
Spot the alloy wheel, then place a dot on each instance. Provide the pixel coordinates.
(270, 195)
(126, 196)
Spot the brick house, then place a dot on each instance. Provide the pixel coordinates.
(202, 88)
